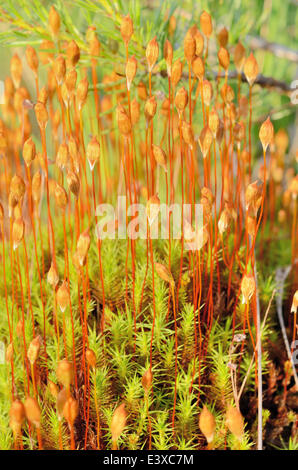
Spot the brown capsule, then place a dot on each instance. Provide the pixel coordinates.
(181, 100)
(54, 21)
(71, 80)
(83, 245)
(176, 72)
(82, 92)
(59, 68)
(74, 155)
(142, 91)
(16, 69)
(41, 114)
(131, 70)
(61, 399)
(198, 68)
(168, 55)
(18, 230)
(17, 416)
(227, 93)
(17, 212)
(199, 43)
(207, 209)
(61, 197)
(29, 151)
(32, 410)
(187, 133)
(293, 187)
(152, 208)
(73, 182)
(213, 122)
(207, 193)
(266, 133)
(248, 288)
(150, 108)
(43, 95)
(54, 389)
(207, 92)
(21, 95)
(32, 59)
(123, 120)
(71, 411)
(205, 140)
(224, 221)
(235, 422)
(223, 37)
(165, 107)
(33, 350)
(9, 353)
(206, 24)
(152, 51)
(118, 422)
(253, 193)
(294, 306)
(8, 89)
(65, 373)
(93, 152)
(207, 424)
(244, 156)
(63, 299)
(223, 58)
(239, 57)
(282, 216)
(36, 186)
(17, 411)
(172, 25)
(53, 277)
(73, 53)
(3, 143)
(2, 127)
(243, 107)
(239, 132)
(15, 427)
(73, 150)
(126, 29)
(251, 69)
(251, 225)
(189, 46)
(164, 273)
(62, 157)
(95, 47)
(201, 237)
(91, 358)
(160, 156)
(147, 380)
(17, 187)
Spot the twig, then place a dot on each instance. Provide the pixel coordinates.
(278, 50)
(261, 80)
